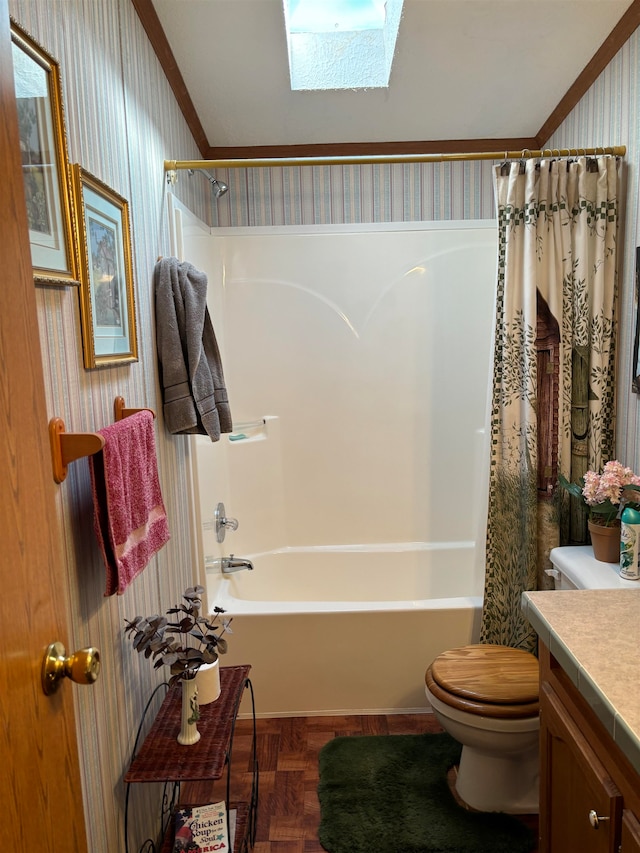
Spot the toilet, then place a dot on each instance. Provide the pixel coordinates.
(486, 697)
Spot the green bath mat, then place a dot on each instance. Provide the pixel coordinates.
(389, 794)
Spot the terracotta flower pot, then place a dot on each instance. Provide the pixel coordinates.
(606, 542)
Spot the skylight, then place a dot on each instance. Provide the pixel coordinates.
(341, 44)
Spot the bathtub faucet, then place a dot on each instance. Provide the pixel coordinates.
(231, 564)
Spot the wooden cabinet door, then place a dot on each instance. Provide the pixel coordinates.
(630, 839)
(573, 786)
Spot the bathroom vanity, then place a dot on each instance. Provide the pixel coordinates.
(590, 719)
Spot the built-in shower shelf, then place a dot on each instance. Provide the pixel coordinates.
(249, 431)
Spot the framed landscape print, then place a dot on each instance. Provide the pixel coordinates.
(107, 301)
(45, 163)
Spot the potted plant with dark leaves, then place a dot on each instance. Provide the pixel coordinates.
(189, 643)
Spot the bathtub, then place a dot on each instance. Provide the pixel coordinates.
(347, 629)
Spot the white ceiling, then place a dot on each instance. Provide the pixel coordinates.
(463, 69)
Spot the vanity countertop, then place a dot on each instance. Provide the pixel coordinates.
(594, 634)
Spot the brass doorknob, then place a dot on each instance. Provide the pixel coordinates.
(83, 667)
(596, 819)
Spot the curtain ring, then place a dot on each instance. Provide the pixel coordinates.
(504, 166)
(525, 155)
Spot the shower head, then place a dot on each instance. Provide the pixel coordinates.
(219, 187)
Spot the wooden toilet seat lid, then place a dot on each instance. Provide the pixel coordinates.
(486, 673)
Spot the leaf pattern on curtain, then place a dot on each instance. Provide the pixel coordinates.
(557, 222)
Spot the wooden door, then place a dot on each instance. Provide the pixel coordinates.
(40, 787)
(580, 806)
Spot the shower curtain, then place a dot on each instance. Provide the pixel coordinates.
(557, 258)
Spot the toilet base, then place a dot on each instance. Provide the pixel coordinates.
(490, 783)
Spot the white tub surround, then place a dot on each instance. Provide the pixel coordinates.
(357, 360)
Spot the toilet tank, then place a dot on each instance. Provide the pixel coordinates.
(575, 567)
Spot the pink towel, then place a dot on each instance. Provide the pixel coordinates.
(129, 521)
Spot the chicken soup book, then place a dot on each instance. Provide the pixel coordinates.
(201, 829)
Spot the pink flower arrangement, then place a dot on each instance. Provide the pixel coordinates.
(609, 485)
(602, 493)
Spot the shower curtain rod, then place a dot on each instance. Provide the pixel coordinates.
(265, 162)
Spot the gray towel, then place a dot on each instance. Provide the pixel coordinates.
(194, 393)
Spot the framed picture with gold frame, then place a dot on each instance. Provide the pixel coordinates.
(45, 162)
(107, 300)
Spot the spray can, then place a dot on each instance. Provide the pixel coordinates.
(630, 544)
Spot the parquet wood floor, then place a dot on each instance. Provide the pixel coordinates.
(287, 748)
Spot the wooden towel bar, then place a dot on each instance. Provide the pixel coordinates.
(66, 446)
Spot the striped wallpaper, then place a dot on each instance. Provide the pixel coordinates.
(122, 122)
(321, 195)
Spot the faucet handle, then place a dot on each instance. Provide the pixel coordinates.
(223, 523)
